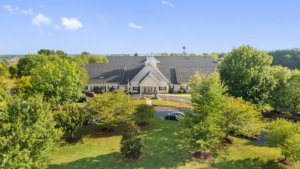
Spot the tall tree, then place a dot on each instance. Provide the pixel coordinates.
(204, 129)
(110, 109)
(59, 81)
(27, 134)
(292, 91)
(29, 62)
(245, 70)
(278, 94)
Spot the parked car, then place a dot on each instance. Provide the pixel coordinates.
(174, 116)
(90, 94)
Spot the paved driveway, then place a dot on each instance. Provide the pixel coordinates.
(163, 111)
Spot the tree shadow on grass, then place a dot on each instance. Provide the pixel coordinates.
(248, 163)
(99, 162)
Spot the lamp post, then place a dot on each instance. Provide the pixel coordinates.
(102, 77)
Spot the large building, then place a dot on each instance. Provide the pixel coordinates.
(147, 75)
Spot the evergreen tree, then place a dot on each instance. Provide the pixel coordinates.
(132, 142)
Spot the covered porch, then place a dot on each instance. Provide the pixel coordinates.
(149, 90)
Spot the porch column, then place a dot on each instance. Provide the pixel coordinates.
(141, 88)
(157, 89)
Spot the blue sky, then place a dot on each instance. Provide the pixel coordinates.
(144, 26)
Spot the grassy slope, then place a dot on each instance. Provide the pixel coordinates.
(163, 149)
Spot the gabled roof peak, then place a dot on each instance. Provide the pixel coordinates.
(151, 61)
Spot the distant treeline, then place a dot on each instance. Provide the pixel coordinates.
(287, 57)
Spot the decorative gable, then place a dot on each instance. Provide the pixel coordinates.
(149, 80)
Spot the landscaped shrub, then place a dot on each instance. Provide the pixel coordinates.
(285, 135)
(181, 90)
(132, 142)
(143, 113)
(97, 89)
(70, 119)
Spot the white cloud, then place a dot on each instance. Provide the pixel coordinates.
(167, 3)
(40, 20)
(71, 23)
(135, 26)
(27, 11)
(10, 8)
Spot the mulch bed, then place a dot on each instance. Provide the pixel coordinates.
(202, 155)
(143, 124)
(107, 130)
(74, 139)
(227, 140)
(274, 115)
(285, 161)
(130, 160)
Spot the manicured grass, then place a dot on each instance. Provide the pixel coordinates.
(186, 96)
(171, 104)
(244, 154)
(163, 149)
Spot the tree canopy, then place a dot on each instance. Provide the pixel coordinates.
(59, 81)
(204, 128)
(29, 62)
(111, 108)
(27, 133)
(278, 95)
(246, 72)
(288, 57)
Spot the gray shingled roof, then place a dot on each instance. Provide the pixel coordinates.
(177, 69)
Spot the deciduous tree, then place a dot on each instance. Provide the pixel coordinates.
(242, 118)
(204, 128)
(245, 70)
(278, 94)
(292, 91)
(27, 134)
(59, 81)
(111, 108)
(69, 118)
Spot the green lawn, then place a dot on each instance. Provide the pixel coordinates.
(163, 149)
(169, 103)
